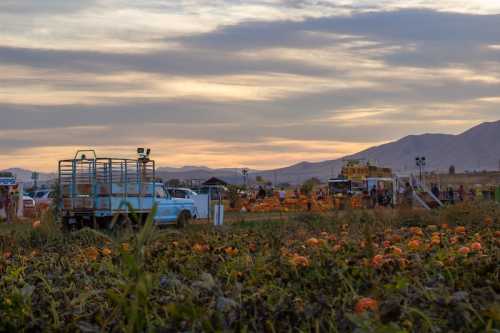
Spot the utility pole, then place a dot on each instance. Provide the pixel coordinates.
(35, 176)
(420, 161)
(244, 172)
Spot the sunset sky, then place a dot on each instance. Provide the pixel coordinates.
(231, 83)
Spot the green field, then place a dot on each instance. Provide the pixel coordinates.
(364, 271)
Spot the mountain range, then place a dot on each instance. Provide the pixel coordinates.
(476, 149)
(473, 150)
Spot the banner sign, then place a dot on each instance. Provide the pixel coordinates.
(10, 181)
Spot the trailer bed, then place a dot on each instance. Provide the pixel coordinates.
(106, 186)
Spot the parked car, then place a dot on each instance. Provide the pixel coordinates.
(182, 193)
(29, 206)
(44, 199)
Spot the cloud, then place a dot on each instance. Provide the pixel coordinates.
(429, 38)
(176, 62)
(31, 7)
(325, 79)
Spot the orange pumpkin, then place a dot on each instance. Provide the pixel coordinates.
(464, 250)
(414, 244)
(476, 246)
(435, 241)
(91, 253)
(200, 248)
(106, 251)
(299, 261)
(232, 251)
(397, 251)
(312, 242)
(125, 247)
(366, 304)
(378, 260)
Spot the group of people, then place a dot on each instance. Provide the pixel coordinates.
(262, 193)
(456, 195)
(380, 197)
(9, 199)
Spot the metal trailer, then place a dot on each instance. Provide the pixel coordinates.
(94, 190)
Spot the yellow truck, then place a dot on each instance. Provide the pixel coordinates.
(355, 185)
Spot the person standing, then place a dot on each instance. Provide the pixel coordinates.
(479, 194)
(380, 197)
(309, 202)
(7, 205)
(408, 196)
(471, 195)
(261, 195)
(461, 193)
(16, 198)
(435, 190)
(282, 195)
(451, 195)
(373, 196)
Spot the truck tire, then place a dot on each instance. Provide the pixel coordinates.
(119, 223)
(183, 219)
(68, 227)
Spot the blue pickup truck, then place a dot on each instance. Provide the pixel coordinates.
(104, 192)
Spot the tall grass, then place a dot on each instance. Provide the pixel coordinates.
(153, 280)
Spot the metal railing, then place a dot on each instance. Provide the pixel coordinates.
(102, 184)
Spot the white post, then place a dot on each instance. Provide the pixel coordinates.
(20, 203)
(219, 215)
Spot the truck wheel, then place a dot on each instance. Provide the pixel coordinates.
(66, 226)
(183, 219)
(119, 223)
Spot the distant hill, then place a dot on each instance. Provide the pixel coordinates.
(476, 149)
(25, 175)
(232, 176)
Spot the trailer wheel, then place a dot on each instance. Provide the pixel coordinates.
(68, 227)
(183, 219)
(119, 223)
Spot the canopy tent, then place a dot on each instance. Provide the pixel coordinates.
(215, 182)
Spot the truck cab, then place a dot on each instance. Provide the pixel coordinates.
(172, 210)
(94, 191)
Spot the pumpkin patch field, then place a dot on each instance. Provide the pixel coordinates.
(361, 271)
